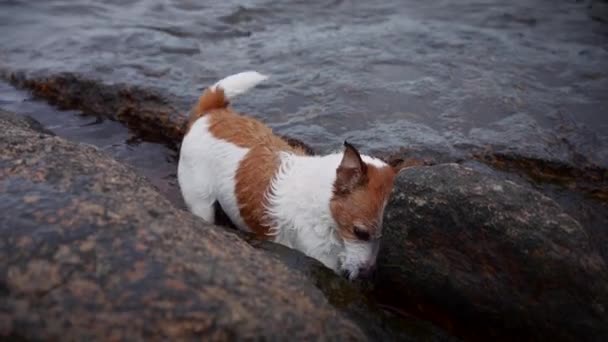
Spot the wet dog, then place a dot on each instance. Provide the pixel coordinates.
(329, 207)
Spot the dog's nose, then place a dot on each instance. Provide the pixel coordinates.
(346, 273)
(367, 271)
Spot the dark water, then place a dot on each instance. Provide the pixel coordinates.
(528, 77)
(151, 159)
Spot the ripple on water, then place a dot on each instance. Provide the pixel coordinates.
(462, 67)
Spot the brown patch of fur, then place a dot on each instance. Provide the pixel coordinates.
(253, 179)
(364, 204)
(259, 166)
(209, 100)
(245, 132)
(296, 143)
(257, 169)
(240, 130)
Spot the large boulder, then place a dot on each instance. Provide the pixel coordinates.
(355, 300)
(90, 250)
(487, 257)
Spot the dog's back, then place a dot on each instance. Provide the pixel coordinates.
(229, 158)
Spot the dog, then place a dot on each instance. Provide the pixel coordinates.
(329, 207)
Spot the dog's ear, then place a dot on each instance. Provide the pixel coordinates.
(352, 171)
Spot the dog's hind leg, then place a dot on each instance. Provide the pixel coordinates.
(204, 208)
(196, 184)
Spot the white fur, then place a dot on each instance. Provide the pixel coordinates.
(239, 83)
(357, 256)
(207, 165)
(299, 204)
(206, 172)
(299, 208)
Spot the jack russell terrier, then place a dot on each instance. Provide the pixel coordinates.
(328, 207)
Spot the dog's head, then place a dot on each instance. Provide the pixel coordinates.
(361, 192)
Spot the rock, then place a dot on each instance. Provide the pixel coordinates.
(352, 300)
(150, 113)
(487, 258)
(588, 179)
(90, 250)
(147, 111)
(116, 253)
(516, 143)
(598, 10)
(26, 122)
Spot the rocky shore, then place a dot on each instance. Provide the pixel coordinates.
(90, 250)
(490, 257)
(466, 249)
(497, 229)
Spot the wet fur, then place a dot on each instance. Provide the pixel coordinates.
(278, 191)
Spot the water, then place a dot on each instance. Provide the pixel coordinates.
(153, 160)
(526, 77)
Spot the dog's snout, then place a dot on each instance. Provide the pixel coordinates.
(367, 271)
(346, 273)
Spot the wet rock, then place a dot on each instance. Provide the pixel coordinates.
(487, 257)
(23, 122)
(144, 110)
(355, 300)
(413, 135)
(598, 10)
(90, 250)
(520, 133)
(584, 176)
(588, 179)
(516, 143)
(147, 111)
(391, 74)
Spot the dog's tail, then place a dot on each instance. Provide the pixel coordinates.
(219, 95)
